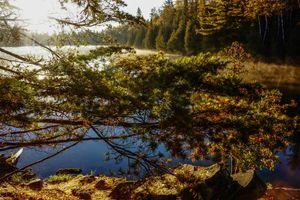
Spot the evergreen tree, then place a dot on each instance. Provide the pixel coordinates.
(267, 29)
(160, 43)
(139, 12)
(154, 101)
(139, 31)
(152, 30)
(131, 36)
(191, 40)
(176, 41)
(166, 20)
(139, 37)
(149, 41)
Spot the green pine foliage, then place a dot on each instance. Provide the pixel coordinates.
(140, 35)
(196, 106)
(188, 104)
(191, 40)
(131, 36)
(176, 41)
(269, 29)
(149, 41)
(160, 43)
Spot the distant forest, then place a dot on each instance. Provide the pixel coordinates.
(268, 30)
(184, 27)
(22, 38)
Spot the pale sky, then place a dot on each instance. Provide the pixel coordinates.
(36, 13)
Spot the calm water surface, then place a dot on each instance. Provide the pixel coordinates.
(90, 156)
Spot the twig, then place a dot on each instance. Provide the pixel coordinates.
(41, 45)
(20, 57)
(131, 155)
(14, 145)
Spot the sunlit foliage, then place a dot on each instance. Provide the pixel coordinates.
(195, 106)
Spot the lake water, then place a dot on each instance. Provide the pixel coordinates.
(90, 155)
(42, 52)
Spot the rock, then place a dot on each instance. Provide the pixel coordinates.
(13, 159)
(165, 187)
(102, 185)
(35, 184)
(192, 182)
(252, 187)
(124, 190)
(27, 175)
(190, 173)
(69, 171)
(87, 179)
(244, 178)
(81, 193)
(186, 182)
(5, 166)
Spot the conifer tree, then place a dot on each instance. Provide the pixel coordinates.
(187, 104)
(152, 31)
(191, 40)
(149, 41)
(160, 43)
(165, 24)
(176, 41)
(140, 31)
(131, 36)
(139, 37)
(139, 12)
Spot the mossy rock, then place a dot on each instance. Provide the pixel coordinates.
(185, 182)
(252, 187)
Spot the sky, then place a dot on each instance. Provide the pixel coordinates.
(36, 13)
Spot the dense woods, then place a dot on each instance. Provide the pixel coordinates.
(268, 28)
(24, 38)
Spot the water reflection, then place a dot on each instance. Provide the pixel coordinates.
(90, 156)
(287, 172)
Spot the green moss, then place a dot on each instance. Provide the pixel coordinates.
(59, 178)
(17, 179)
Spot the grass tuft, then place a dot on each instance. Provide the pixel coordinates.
(59, 178)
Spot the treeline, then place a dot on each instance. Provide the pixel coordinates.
(270, 29)
(192, 26)
(22, 38)
(86, 37)
(171, 28)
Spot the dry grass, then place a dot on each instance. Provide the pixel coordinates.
(283, 77)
